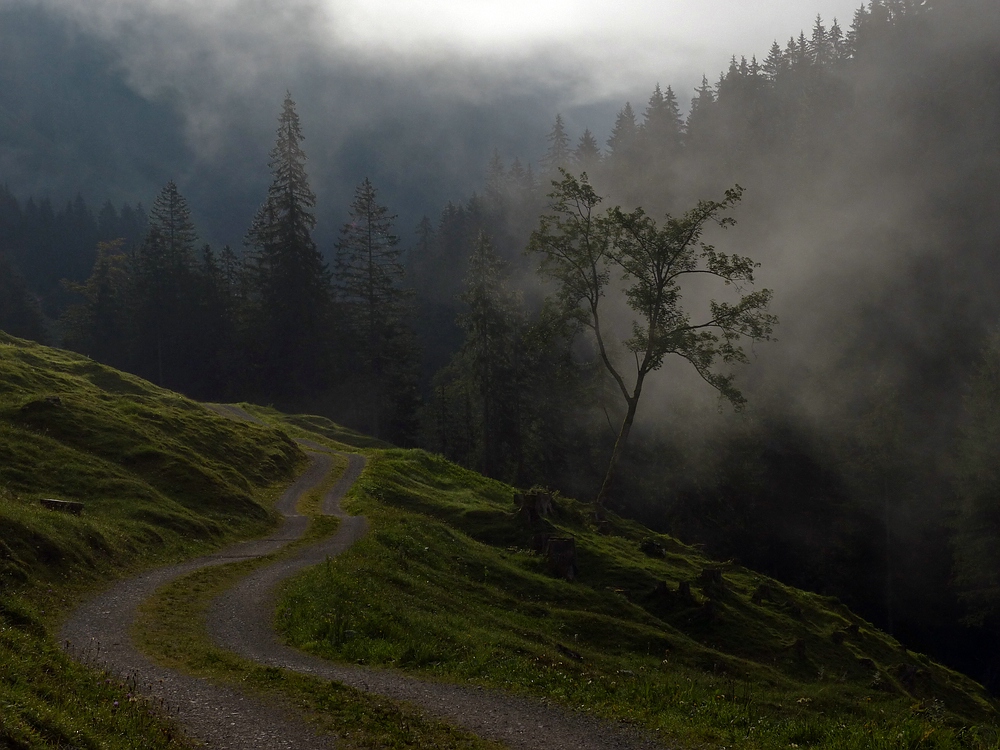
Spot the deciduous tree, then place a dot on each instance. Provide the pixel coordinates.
(583, 251)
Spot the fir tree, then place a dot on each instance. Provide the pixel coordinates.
(558, 153)
(662, 123)
(775, 64)
(292, 282)
(161, 290)
(369, 278)
(621, 144)
(820, 49)
(587, 155)
(698, 124)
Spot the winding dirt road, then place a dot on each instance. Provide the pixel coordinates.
(241, 621)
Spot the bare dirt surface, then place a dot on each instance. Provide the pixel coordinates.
(241, 620)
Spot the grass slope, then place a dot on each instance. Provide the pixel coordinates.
(447, 584)
(160, 477)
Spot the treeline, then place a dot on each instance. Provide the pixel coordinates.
(268, 321)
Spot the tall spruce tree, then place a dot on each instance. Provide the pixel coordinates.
(558, 153)
(661, 126)
(292, 283)
(160, 298)
(587, 155)
(369, 280)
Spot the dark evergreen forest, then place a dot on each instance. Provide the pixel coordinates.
(863, 460)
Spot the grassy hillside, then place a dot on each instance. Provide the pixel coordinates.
(159, 477)
(449, 584)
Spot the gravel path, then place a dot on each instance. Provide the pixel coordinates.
(241, 620)
(97, 633)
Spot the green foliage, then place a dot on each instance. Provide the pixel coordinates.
(581, 252)
(446, 584)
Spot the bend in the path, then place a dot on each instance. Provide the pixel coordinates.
(97, 633)
(241, 620)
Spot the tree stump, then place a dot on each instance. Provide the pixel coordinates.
(799, 648)
(764, 593)
(533, 505)
(711, 578)
(653, 548)
(561, 553)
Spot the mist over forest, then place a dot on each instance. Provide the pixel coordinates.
(138, 226)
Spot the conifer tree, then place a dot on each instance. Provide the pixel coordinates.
(496, 182)
(838, 44)
(820, 49)
(623, 136)
(96, 325)
(490, 323)
(697, 126)
(587, 155)
(775, 63)
(369, 280)
(662, 123)
(161, 293)
(19, 311)
(170, 219)
(292, 282)
(558, 153)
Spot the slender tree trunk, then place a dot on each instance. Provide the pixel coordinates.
(623, 432)
(888, 556)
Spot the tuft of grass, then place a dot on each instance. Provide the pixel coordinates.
(448, 585)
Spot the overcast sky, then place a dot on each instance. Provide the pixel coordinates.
(607, 49)
(618, 43)
(404, 90)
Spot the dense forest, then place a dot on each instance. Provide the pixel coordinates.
(861, 461)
